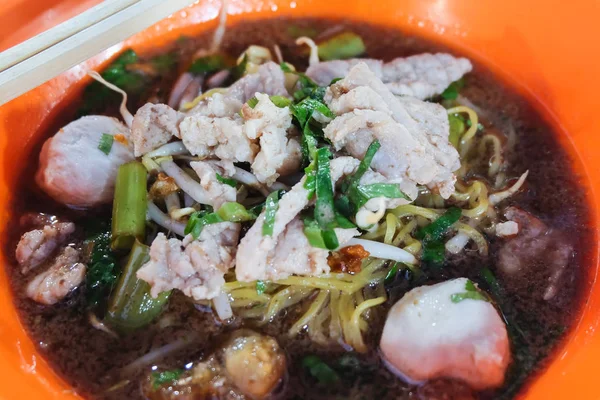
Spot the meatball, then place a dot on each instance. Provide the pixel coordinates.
(248, 366)
(74, 171)
(448, 330)
(254, 363)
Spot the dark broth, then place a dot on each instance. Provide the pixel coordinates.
(91, 360)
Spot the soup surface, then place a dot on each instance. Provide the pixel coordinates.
(99, 364)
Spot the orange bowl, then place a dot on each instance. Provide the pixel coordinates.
(544, 49)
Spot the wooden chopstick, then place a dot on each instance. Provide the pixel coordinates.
(52, 61)
(60, 32)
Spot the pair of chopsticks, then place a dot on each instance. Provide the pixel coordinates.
(50, 53)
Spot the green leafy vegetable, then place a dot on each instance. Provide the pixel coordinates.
(451, 92)
(491, 281)
(235, 212)
(165, 377)
(335, 80)
(129, 206)
(313, 233)
(239, 70)
(106, 142)
(199, 220)
(320, 370)
(296, 31)
(164, 63)
(102, 269)
(271, 206)
(433, 252)
(436, 229)
(324, 207)
(392, 272)
(96, 95)
(308, 87)
(252, 102)
(131, 305)
(431, 235)
(457, 128)
(471, 292)
(343, 45)
(228, 181)
(261, 286)
(363, 167)
(360, 194)
(210, 63)
(281, 101)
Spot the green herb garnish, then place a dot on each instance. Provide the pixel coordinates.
(165, 377)
(341, 46)
(228, 181)
(319, 370)
(106, 142)
(471, 292)
(271, 206)
(102, 272)
(261, 286)
(451, 92)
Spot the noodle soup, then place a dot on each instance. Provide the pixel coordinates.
(115, 332)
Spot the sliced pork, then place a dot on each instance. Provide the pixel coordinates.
(154, 125)
(64, 275)
(37, 245)
(268, 78)
(195, 267)
(413, 134)
(430, 333)
(256, 252)
(217, 192)
(422, 76)
(74, 171)
(280, 153)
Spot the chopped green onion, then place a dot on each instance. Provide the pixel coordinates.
(281, 101)
(228, 181)
(360, 194)
(308, 87)
(165, 377)
(319, 370)
(271, 206)
(199, 220)
(131, 306)
(343, 45)
(106, 142)
(491, 281)
(330, 239)
(252, 102)
(363, 167)
(433, 252)
(471, 293)
(240, 70)
(129, 206)
(457, 128)
(313, 233)
(235, 212)
(324, 207)
(261, 286)
(392, 272)
(451, 92)
(436, 229)
(209, 64)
